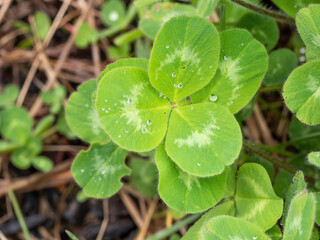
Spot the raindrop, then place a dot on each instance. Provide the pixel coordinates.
(113, 16)
(182, 201)
(149, 122)
(191, 108)
(199, 164)
(126, 131)
(302, 50)
(115, 104)
(180, 85)
(103, 171)
(119, 136)
(167, 46)
(106, 100)
(173, 74)
(116, 121)
(302, 59)
(175, 85)
(254, 237)
(144, 125)
(123, 95)
(82, 170)
(231, 101)
(242, 55)
(242, 44)
(109, 109)
(144, 130)
(103, 109)
(210, 66)
(225, 58)
(317, 155)
(213, 98)
(87, 105)
(100, 179)
(129, 101)
(106, 111)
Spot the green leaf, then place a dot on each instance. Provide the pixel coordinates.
(113, 12)
(300, 218)
(43, 125)
(314, 159)
(43, 23)
(317, 218)
(291, 7)
(71, 235)
(263, 28)
(242, 65)
(282, 183)
(281, 63)
(122, 51)
(34, 145)
(315, 234)
(298, 184)
(184, 57)
(160, 13)
(203, 138)
(303, 97)
(183, 191)
(6, 147)
(21, 158)
(140, 63)
(54, 98)
(199, 229)
(274, 233)
(206, 7)
(308, 24)
(86, 35)
(255, 198)
(231, 180)
(134, 115)
(15, 124)
(9, 95)
(81, 115)
(42, 163)
(99, 170)
(144, 176)
(226, 228)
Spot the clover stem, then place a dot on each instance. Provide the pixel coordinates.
(222, 17)
(277, 16)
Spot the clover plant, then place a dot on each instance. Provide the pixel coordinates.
(177, 111)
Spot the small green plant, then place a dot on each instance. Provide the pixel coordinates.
(177, 109)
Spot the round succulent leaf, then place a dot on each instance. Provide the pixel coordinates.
(291, 7)
(281, 63)
(203, 138)
(160, 13)
(199, 229)
(301, 216)
(42, 24)
(132, 112)
(308, 24)
(314, 159)
(99, 169)
(242, 65)
(303, 97)
(255, 197)
(227, 227)
(6, 147)
(126, 62)
(86, 35)
(183, 191)
(81, 115)
(43, 125)
(9, 95)
(113, 12)
(21, 158)
(184, 56)
(263, 28)
(42, 163)
(34, 145)
(15, 124)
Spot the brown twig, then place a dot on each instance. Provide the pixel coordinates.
(105, 220)
(5, 6)
(147, 220)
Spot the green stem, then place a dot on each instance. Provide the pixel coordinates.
(222, 17)
(255, 149)
(275, 149)
(271, 88)
(128, 37)
(303, 138)
(48, 132)
(113, 30)
(277, 16)
(174, 228)
(19, 215)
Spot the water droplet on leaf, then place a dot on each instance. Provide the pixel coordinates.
(149, 122)
(180, 85)
(173, 74)
(144, 130)
(213, 98)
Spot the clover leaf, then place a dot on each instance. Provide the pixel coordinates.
(314, 159)
(242, 65)
(183, 191)
(113, 12)
(99, 169)
(81, 115)
(255, 197)
(291, 7)
(136, 116)
(9, 96)
(301, 216)
(227, 227)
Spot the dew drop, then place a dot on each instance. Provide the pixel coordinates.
(126, 131)
(109, 109)
(182, 201)
(317, 154)
(192, 71)
(103, 171)
(144, 125)
(167, 46)
(210, 66)
(113, 16)
(225, 58)
(106, 111)
(191, 108)
(242, 55)
(302, 50)
(100, 179)
(242, 44)
(199, 164)
(213, 98)
(87, 105)
(115, 104)
(302, 59)
(231, 101)
(106, 100)
(173, 74)
(180, 85)
(82, 170)
(144, 130)
(254, 237)
(116, 121)
(129, 101)
(119, 136)
(123, 95)
(103, 109)
(149, 122)
(175, 85)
